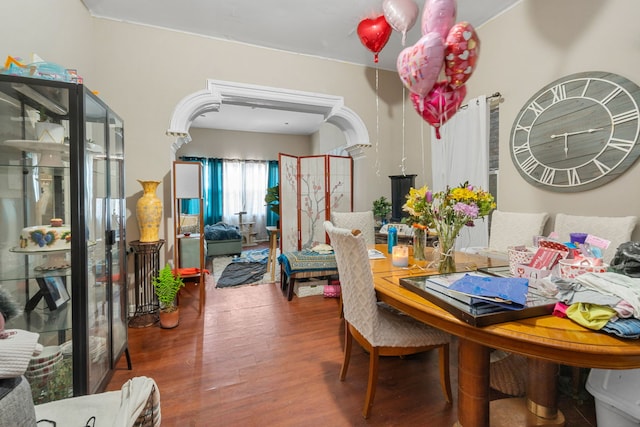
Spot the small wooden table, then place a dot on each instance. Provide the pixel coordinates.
(545, 340)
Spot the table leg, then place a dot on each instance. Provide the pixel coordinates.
(540, 407)
(473, 384)
(542, 392)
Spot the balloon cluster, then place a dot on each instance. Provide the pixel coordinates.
(443, 44)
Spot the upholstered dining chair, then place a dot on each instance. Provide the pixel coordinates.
(362, 221)
(512, 229)
(378, 329)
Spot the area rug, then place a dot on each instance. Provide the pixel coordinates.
(241, 273)
(250, 268)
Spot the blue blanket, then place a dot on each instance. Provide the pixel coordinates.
(221, 231)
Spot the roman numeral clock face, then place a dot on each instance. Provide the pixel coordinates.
(578, 133)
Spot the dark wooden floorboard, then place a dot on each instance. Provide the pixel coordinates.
(254, 359)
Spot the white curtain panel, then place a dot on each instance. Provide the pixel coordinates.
(256, 177)
(232, 191)
(462, 154)
(245, 185)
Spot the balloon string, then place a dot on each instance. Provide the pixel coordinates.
(424, 171)
(404, 158)
(377, 164)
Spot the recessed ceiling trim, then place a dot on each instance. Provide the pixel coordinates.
(219, 92)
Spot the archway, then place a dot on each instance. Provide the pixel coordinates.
(218, 93)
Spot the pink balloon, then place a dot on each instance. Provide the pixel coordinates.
(461, 53)
(401, 15)
(440, 104)
(420, 64)
(438, 16)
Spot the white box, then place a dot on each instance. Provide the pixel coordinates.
(617, 396)
(309, 288)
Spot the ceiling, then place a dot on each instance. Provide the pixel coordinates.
(322, 28)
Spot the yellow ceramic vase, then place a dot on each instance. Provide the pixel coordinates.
(149, 212)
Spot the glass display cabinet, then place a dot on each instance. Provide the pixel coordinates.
(62, 231)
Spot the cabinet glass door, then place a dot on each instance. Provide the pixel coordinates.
(117, 238)
(96, 214)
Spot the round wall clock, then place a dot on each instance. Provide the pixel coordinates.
(578, 132)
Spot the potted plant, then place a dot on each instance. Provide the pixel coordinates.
(167, 285)
(381, 209)
(272, 199)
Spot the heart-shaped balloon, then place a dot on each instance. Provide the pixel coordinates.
(419, 65)
(401, 15)
(438, 16)
(440, 104)
(374, 34)
(461, 53)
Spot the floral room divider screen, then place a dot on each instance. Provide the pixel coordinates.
(311, 187)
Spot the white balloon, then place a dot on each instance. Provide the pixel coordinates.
(401, 15)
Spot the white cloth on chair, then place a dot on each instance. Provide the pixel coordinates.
(120, 408)
(133, 399)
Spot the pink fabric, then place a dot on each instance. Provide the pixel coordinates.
(560, 310)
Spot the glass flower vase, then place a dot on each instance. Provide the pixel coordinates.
(419, 244)
(446, 249)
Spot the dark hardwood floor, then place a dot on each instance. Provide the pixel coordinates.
(254, 359)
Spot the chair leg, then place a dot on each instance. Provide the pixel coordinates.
(292, 282)
(445, 378)
(374, 356)
(348, 343)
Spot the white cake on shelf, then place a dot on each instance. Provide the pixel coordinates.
(54, 237)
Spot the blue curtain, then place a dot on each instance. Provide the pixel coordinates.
(272, 218)
(211, 188)
(213, 191)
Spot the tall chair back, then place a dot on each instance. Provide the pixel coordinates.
(362, 221)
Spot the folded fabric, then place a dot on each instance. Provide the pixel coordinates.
(625, 328)
(560, 309)
(590, 316)
(190, 271)
(508, 292)
(16, 351)
(571, 292)
(627, 288)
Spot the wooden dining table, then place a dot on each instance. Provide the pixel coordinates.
(547, 341)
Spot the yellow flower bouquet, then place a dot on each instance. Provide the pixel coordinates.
(447, 212)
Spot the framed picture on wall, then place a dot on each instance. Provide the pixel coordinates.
(54, 291)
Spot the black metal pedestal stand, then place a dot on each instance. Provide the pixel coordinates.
(147, 265)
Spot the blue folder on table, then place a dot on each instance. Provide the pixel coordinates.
(507, 292)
